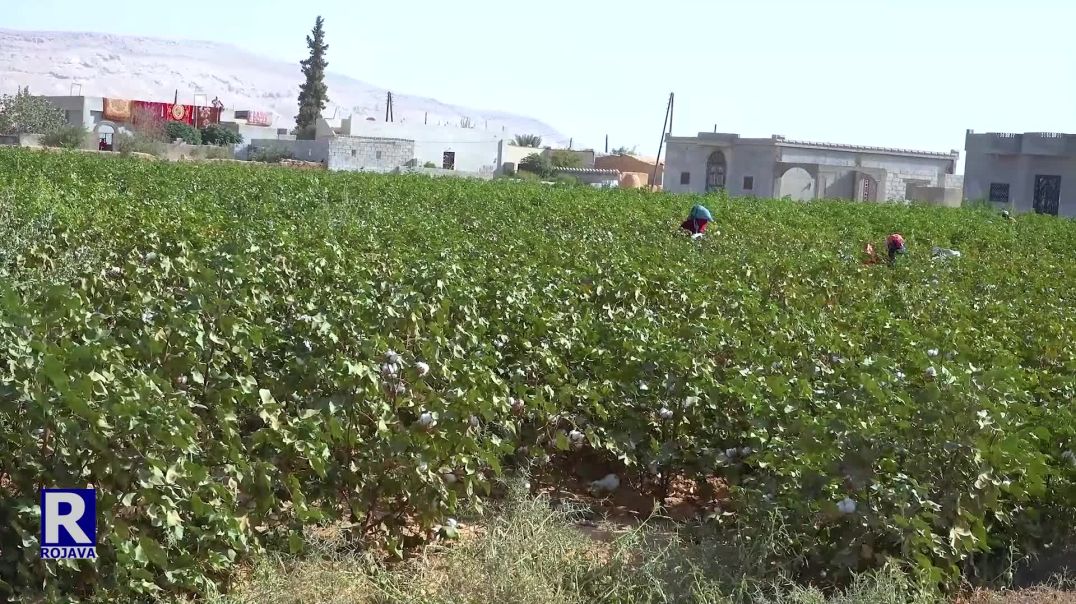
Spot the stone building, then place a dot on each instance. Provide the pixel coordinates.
(1033, 171)
(345, 153)
(776, 167)
(466, 150)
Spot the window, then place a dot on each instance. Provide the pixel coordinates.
(448, 160)
(685, 178)
(748, 183)
(715, 171)
(999, 191)
(378, 155)
(352, 153)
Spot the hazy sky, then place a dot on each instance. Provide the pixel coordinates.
(901, 73)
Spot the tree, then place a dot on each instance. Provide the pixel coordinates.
(536, 163)
(313, 93)
(215, 134)
(624, 151)
(528, 140)
(562, 158)
(24, 113)
(466, 122)
(184, 132)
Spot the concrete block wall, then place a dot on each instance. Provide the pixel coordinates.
(355, 153)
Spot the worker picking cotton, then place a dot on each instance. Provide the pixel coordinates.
(697, 220)
(895, 245)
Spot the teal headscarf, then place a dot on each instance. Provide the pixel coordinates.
(698, 212)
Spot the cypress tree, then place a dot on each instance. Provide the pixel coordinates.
(313, 93)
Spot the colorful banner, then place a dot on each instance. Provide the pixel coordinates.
(188, 114)
(260, 118)
(117, 110)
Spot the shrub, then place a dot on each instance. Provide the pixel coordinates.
(138, 142)
(219, 135)
(184, 132)
(429, 164)
(536, 163)
(67, 137)
(271, 155)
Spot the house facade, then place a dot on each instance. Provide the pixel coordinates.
(467, 150)
(105, 117)
(1029, 172)
(776, 167)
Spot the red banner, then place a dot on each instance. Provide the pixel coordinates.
(188, 114)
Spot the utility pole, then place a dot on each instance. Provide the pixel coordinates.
(666, 128)
(426, 118)
(389, 117)
(570, 142)
(606, 143)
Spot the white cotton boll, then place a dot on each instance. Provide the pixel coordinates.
(451, 523)
(575, 436)
(449, 478)
(423, 468)
(933, 352)
(473, 421)
(423, 368)
(426, 420)
(665, 413)
(1069, 456)
(401, 388)
(517, 405)
(932, 372)
(731, 452)
(390, 369)
(691, 401)
(608, 484)
(150, 256)
(308, 345)
(900, 375)
(148, 316)
(392, 357)
(745, 451)
(846, 505)
(115, 271)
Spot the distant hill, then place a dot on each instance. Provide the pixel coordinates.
(153, 69)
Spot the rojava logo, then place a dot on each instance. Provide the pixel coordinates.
(179, 112)
(68, 524)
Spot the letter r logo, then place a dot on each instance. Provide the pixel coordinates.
(68, 517)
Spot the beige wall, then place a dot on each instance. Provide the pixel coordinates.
(949, 197)
(628, 163)
(513, 154)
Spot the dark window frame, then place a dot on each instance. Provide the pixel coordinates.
(716, 171)
(1002, 192)
(685, 178)
(748, 183)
